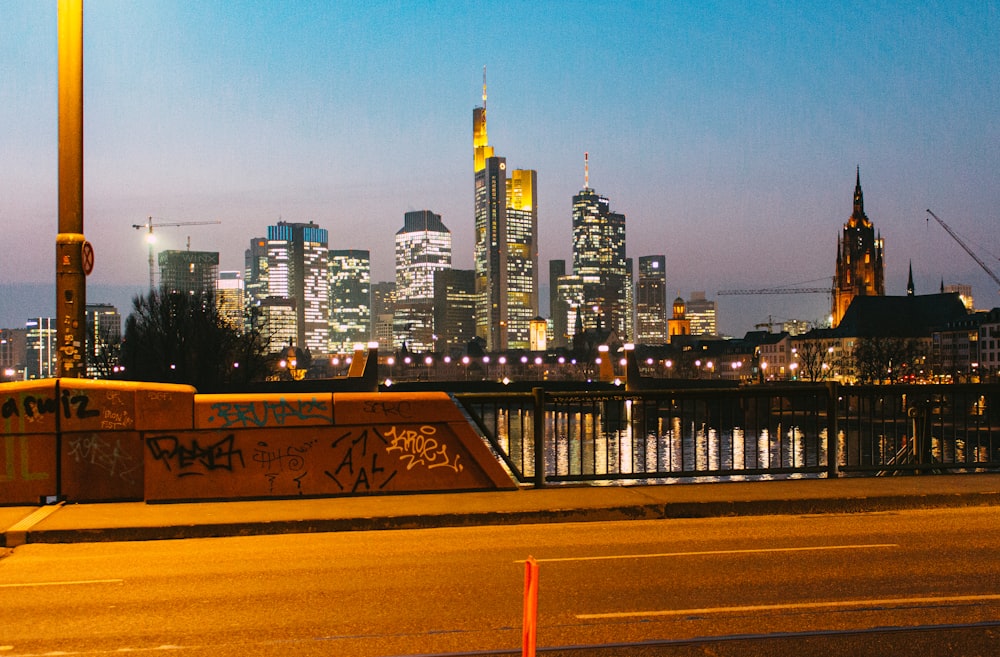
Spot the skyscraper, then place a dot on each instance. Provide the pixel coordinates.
(229, 298)
(599, 259)
(423, 248)
(297, 271)
(702, 314)
(104, 335)
(860, 259)
(651, 306)
(506, 244)
(189, 272)
(41, 348)
(350, 299)
(454, 309)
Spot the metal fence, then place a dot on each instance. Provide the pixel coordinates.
(748, 432)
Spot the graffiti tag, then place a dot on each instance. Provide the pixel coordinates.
(354, 468)
(419, 447)
(105, 456)
(32, 407)
(261, 414)
(193, 458)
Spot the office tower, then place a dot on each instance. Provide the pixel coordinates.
(860, 259)
(651, 305)
(350, 299)
(702, 314)
(383, 310)
(423, 248)
(506, 244)
(230, 299)
(599, 259)
(40, 341)
(255, 273)
(557, 305)
(189, 272)
(297, 256)
(104, 336)
(13, 350)
(454, 309)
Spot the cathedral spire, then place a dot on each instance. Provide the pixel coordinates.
(910, 291)
(859, 198)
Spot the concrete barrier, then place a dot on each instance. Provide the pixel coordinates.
(83, 440)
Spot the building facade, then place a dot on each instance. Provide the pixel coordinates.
(350, 299)
(651, 300)
(104, 336)
(40, 342)
(423, 248)
(860, 259)
(230, 298)
(297, 271)
(454, 310)
(702, 314)
(189, 272)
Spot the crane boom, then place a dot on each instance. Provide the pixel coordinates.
(778, 290)
(150, 239)
(965, 246)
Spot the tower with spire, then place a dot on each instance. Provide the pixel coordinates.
(860, 259)
(505, 256)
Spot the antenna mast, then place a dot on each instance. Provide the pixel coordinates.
(586, 170)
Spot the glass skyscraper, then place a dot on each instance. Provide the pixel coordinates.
(350, 299)
(297, 271)
(423, 248)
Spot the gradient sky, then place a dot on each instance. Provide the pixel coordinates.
(728, 133)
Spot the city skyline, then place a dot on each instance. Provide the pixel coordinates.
(728, 136)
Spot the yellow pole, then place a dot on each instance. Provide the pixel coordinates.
(71, 294)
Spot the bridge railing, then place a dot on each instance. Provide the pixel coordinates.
(749, 432)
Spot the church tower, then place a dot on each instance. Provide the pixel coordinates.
(860, 259)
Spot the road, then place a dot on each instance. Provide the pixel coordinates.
(930, 580)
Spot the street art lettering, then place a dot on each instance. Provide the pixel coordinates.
(108, 458)
(10, 473)
(275, 461)
(419, 447)
(34, 407)
(271, 413)
(359, 474)
(193, 458)
(389, 409)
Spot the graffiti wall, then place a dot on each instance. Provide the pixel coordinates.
(97, 441)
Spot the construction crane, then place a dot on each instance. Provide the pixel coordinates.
(964, 246)
(150, 238)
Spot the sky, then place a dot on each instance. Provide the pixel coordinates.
(728, 133)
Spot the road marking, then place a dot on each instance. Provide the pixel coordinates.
(661, 555)
(66, 583)
(884, 602)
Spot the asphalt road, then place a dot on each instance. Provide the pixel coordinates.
(888, 583)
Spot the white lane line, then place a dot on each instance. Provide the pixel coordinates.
(661, 555)
(66, 583)
(883, 602)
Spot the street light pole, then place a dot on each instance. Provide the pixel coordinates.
(74, 257)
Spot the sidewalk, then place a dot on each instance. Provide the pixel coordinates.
(137, 521)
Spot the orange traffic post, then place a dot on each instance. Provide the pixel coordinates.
(530, 627)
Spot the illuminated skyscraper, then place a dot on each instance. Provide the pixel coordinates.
(297, 272)
(599, 259)
(423, 248)
(350, 299)
(702, 314)
(860, 259)
(506, 244)
(104, 336)
(651, 306)
(41, 347)
(229, 298)
(454, 309)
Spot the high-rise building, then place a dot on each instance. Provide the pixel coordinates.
(40, 362)
(651, 306)
(599, 258)
(454, 309)
(522, 257)
(383, 310)
(297, 270)
(860, 259)
(104, 336)
(255, 274)
(423, 248)
(350, 299)
(702, 314)
(558, 310)
(13, 350)
(506, 244)
(230, 299)
(189, 272)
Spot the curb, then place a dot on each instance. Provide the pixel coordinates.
(25, 532)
